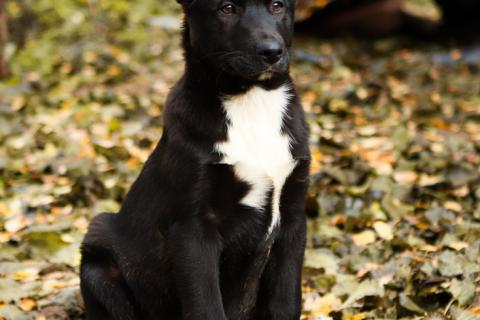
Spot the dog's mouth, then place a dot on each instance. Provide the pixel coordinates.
(253, 70)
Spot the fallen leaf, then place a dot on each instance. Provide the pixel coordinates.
(407, 177)
(364, 238)
(453, 206)
(463, 291)
(27, 304)
(384, 230)
(321, 259)
(366, 289)
(28, 274)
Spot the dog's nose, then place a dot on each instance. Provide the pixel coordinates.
(270, 51)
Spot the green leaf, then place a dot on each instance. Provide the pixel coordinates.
(321, 259)
(463, 291)
(367, 288)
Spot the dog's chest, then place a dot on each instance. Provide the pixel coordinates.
(256, 147)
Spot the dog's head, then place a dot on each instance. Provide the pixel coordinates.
(243, 38)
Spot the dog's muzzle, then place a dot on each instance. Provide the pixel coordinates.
(270, 52)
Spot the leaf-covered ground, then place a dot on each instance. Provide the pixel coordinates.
(395, 196)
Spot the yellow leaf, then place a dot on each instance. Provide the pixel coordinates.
(4, 211)
(364, 238)
(89, 57)
(360, 316)
(28, 304)
(453, 206)
(460, 245)
(113, 71)
(25, 275)
(18, 103)
(16, 224)
(429, 248)
(67, 238)
(384, 230)
(405, 177)
(426, 180)
(322, 306)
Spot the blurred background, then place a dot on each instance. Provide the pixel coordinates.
(392, 93)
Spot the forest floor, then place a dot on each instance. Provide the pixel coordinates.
(394, 204)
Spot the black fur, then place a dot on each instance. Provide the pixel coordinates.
(182, 247)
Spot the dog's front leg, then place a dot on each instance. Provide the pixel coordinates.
(280, 292)
(194, 250)
(280, 297)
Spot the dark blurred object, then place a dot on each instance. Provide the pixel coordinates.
(376, 18)
(461, 20)
(3, 38)
(372, 18)
(22, 25)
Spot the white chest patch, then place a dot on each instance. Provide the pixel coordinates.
(256, 147)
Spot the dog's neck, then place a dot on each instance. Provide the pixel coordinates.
(212, 79)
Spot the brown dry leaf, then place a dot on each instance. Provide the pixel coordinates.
(475, 310)
(309, 97)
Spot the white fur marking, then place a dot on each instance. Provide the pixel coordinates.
(256, 147)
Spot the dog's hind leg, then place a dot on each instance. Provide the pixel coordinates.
(104, 289)
(105, 294)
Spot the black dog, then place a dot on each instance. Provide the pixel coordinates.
(214, 227)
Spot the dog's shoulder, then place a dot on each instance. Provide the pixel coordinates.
(194, 115)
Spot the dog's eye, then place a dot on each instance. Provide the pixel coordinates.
(228, 8)
(277, 6)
